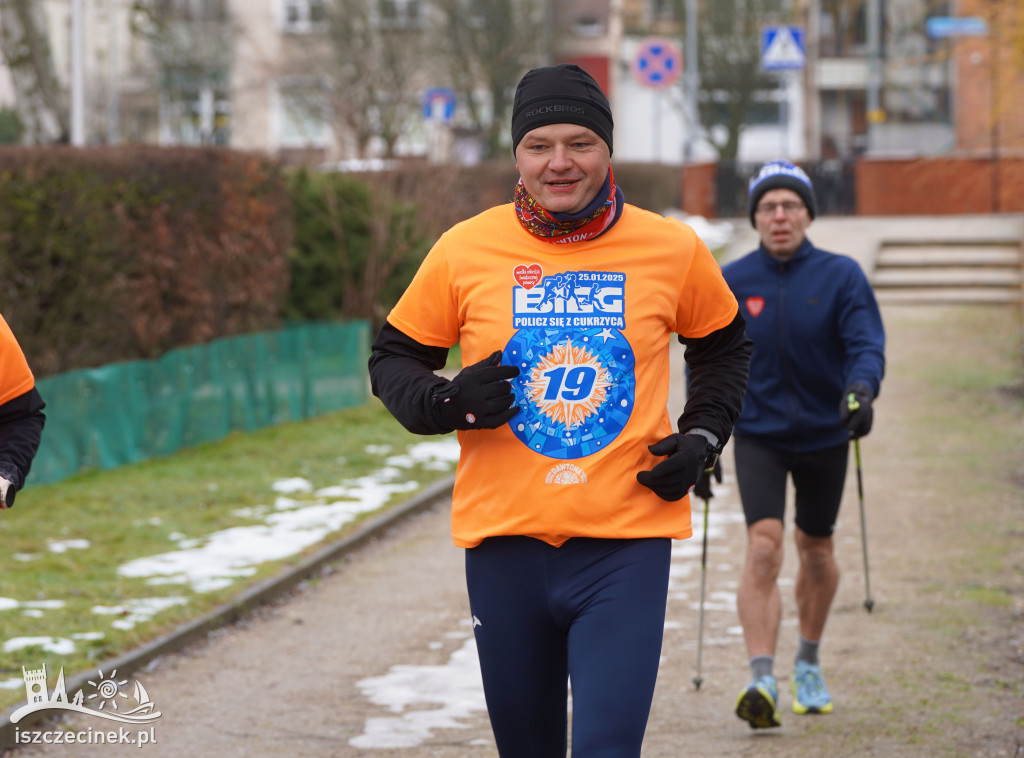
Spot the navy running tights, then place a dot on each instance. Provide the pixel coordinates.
(591, 612)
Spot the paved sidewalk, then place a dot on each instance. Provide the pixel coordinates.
(291, 679)
(375, 659)
(861, 237)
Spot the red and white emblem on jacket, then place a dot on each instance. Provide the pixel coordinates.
(755, 305)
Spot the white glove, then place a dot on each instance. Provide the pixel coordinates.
(4, 487)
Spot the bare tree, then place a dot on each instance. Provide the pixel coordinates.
(376, 76)
(192, 46)
(487, 45)
(41, 104)
(729, 58)
(382, 55)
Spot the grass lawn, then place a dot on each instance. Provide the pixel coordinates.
(100, 563)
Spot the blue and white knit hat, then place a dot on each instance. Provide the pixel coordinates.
(781, 175)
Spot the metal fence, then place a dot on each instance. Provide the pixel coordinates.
(834, 187)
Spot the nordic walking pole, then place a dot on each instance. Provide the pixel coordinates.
(853, 405)
(698, 680)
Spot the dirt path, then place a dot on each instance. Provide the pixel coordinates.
(936, 670)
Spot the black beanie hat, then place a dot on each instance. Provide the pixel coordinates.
(563, 94)
(781, 175)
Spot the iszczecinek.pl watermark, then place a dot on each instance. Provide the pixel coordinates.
(106, 702)
(88, 736)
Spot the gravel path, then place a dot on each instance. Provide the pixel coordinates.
(936, 670)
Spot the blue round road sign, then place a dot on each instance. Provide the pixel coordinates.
(439, 104)
(658, 62)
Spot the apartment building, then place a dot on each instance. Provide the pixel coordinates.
(988, 110)
(110, 53)
(266, 76)
(883, 77)
(249, 75)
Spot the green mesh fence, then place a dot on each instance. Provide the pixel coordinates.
(129, 412)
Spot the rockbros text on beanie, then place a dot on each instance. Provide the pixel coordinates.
(563, 94)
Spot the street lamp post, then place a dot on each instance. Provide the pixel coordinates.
(77, 75)
(994, 49)
(691, 79)
(874, 100)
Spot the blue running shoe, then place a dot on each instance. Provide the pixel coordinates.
(758, 703)
(809, 692)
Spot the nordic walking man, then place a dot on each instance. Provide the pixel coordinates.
(21, 417)
(571, 483)
(818, 338)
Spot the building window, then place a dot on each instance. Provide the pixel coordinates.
(194, 110)
(662, 10)
(843, 29)
(302, 113)
(400, 13)
(191, 10)
(588, 26)
(302, 16)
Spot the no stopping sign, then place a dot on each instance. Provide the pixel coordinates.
(658, 62)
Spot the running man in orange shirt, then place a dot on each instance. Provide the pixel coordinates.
(571, 482)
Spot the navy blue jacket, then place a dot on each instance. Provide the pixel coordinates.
(816, 329)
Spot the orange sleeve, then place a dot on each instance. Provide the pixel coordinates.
(427, 311)
(15, 375)
(707, 302)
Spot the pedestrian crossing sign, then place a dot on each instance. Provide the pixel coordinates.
(782, 48)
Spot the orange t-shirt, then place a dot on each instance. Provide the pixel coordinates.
(589, 326)
(15, 376)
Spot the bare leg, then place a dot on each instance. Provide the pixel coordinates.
(817, 579)
(758, 600)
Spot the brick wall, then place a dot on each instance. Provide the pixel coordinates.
(697, 189)
(939, 186)
(989, 78)
(924, 186)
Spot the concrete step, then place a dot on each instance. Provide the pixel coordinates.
(949, 255)
(948, 276)
(949, 296)
(938, 272)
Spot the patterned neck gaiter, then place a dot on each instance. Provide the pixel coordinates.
(561, 228)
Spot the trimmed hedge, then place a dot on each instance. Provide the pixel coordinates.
(447, 195)
(110, 254)
(357, 244)
(113, 254)
(439, 197)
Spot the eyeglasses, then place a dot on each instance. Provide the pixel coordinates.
(789, 207)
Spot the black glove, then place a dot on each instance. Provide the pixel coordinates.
(855, 410)
(688, 455)
(702, 488)
(479, 397)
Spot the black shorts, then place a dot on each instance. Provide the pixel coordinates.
(818, 478)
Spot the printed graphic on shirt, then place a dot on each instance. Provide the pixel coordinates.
(566, 473)
(576, 385)
(755, 305)
(528, 277)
